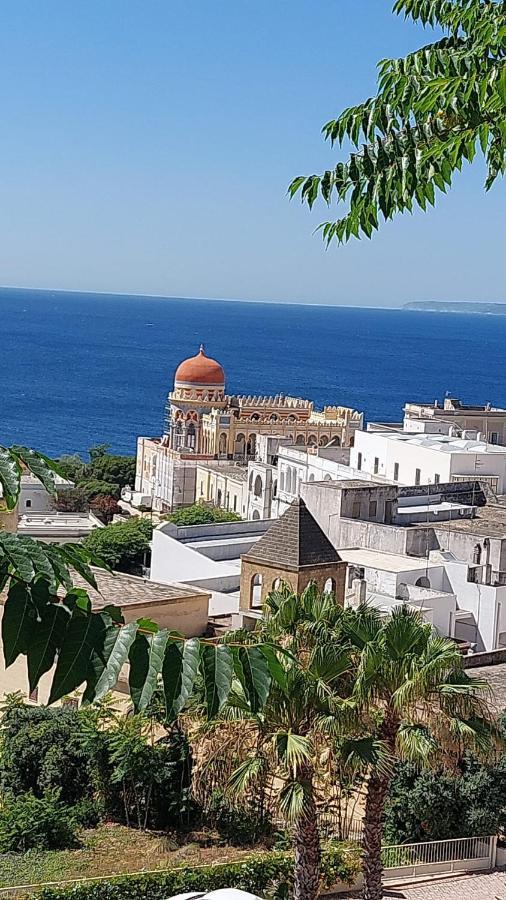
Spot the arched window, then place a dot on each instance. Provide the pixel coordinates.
(275, 490)
(273, 418)
(190, 436)
(256, 592)
(300, 439)
(330, 586)
(292, 418)
(218, 498)
(282, 480)
(324, 440)
(252, 445)
(311, 477)
(423, 581)
(240, 445)
(256, 514)
(250, 483)
(312, 440)
(276, 584)
(255, 417)
(257, 490)
(327, 477)
(223, 444)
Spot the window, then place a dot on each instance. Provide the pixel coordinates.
(355, 510)
(376, 465)
(437, 477)
(28, 504)
(418, 476)
(235, 502)
(373, 509)
(396, 471)
(494, 437)
(359, 462)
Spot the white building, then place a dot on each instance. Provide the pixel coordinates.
(58, 528)
(33, 496)
(418, 458)
(205, 556)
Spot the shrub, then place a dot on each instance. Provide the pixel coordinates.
(122, 545)
(43, 751)
(239, 827)
(95, 488)
(201, 515)
(119, 470)
(258, 874)
(431, 806)
(33, 823)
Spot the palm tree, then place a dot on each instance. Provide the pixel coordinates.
(415, 702)
(282, 737)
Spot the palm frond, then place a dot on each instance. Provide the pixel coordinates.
(245, 774)
(415, 743)
(292, 750)
(295, 799)
(369, 752)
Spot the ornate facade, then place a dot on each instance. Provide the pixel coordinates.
(204, 420)
(204, 423)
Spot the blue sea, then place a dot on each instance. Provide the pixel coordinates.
(80, 369)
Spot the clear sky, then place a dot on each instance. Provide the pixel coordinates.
(146, 147)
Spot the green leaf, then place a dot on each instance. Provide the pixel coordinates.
(10, 477)
(216, 667)
(276, 669)
(46, 640)
(17, 621)
(256, 679)
(18, 555)
(41, 466)
(179, 671)
(84, 634)
(146, 660)
(106, 661)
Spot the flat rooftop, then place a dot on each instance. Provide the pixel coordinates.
(386, 562)
(240, 473)
(490, 520)
(443, 443)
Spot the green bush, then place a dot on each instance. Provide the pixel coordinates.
(122, 545)
(239, 827)
(33, 823)
(259, 874)
(201, 515)
(44, 751)
(432, 806)
(94, 488)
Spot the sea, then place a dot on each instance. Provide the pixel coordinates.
(83, 369)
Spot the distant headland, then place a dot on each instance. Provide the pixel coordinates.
(458, 306)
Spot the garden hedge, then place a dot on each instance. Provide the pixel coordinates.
(260, 874)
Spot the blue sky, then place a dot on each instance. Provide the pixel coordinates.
(147, 146)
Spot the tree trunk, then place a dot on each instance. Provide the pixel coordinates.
(372, 866)
(307, 848)
(374, 815)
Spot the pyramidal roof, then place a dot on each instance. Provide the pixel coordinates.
(293, 541)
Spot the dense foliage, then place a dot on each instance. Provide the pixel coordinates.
(84, 763)
(102, 477)
(438, 805)
(33, 823)
(434, 110)
(201, 515)
(44, 751)
(261, 875)
(123, 545)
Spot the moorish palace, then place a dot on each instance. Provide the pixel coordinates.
(203, 423)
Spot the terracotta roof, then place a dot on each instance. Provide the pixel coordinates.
(131, 590)
(123, 590)
(200, 369)
(293, 541)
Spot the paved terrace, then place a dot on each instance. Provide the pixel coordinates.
(488, 886)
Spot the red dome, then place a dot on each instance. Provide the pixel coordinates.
(200, 370)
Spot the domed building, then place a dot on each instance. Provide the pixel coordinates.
(203, 423)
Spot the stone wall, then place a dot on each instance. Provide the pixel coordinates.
(297, 580)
